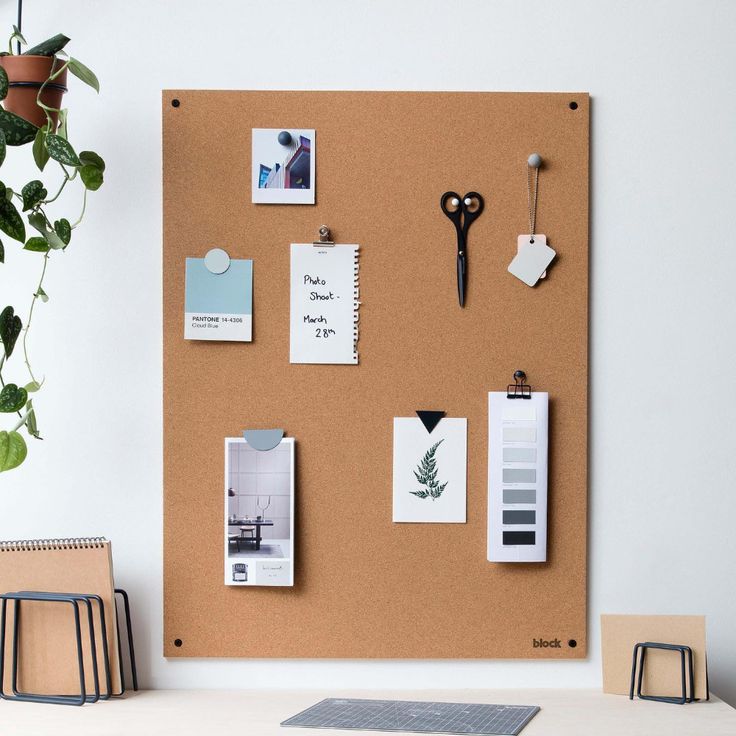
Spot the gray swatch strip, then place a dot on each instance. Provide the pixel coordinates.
(519, 517)
(520, 454)
(519, 495)
(519, 475)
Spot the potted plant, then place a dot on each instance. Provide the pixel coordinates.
(42, 127)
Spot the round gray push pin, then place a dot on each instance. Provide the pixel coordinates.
(217, 261)
(534, 160)
(285, 138)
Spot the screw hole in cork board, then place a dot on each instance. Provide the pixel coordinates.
(573, 105)
(178, 642)
(175, 103)
(572, 643)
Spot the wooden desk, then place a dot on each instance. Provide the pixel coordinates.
(199, 712)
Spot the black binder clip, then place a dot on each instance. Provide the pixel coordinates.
(518, 389)
(687, 674)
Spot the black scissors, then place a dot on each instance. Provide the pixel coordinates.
(465, 210)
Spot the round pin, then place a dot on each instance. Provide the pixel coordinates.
(217, 261)
(455, 202)
(285, 138)
(535, 160)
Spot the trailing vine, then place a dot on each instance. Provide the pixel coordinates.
(50, 142)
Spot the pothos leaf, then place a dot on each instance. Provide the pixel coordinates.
(49, 47)
(42, 295)
(61, 150)
(36, 244)
(90, 158)
(38, 221)
(3, 145)
(91, 177)
(40, 154)
(31, 424)
(3, 83)
(18, 131)
(11, 223)
(80, 71)
(10, 327)
(63, 230)
(2, 252)
(13, 450)
(32, 387)
(33, 193)
(12, 398)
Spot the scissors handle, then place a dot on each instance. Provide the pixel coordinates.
(471, 214)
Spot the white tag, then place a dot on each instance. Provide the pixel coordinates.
(531, 259)
(521, 242)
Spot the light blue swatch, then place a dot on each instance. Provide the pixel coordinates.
(225, 293)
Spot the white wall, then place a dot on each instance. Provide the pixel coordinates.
(662, 489)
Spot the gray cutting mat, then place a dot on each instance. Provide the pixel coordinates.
(419, 717)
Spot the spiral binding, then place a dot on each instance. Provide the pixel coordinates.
(38, 545)
(356, 302)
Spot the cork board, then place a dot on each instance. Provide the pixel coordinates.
(364, 586)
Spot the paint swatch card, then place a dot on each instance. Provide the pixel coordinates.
(430, 471)
(517, 477)
(324, 304)
(219, 306)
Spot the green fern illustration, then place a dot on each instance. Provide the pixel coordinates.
(426, 475)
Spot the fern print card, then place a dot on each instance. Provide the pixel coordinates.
(430, 471)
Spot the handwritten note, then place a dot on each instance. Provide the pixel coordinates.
(324, 304)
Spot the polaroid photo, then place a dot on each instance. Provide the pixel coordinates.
(282, 162)
(259, 513)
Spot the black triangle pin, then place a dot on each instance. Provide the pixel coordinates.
(430, 419)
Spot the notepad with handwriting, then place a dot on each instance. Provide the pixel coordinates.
(47, 661)
(324, 303)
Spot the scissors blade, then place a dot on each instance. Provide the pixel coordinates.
(462, 273)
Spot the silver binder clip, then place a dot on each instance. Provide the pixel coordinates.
(324, 237)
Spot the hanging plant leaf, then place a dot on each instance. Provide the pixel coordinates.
(37, 245)
(42, 295)
(61, 150)
(3, 83)
(31, 424)
(91, 177)
(11, 223)
(9, 194)
(12, 398)
(3, 145)
(17, 36)
(13, 450)
(90, 158)
(33, 193)
(49, 47)
(18, 131)
(63, 230)
(80, 71)
(2, 252)
(10, 327)
(63, 129)
(40, 154)
(32, 387)
(38, 221)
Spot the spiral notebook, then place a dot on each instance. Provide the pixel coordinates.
(47, 654)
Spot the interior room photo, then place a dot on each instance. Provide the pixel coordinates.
(379, 387)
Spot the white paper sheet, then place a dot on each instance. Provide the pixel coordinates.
(517, 477)
(430, 471)
(324, 304)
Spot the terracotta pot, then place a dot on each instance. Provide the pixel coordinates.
(26, 74)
